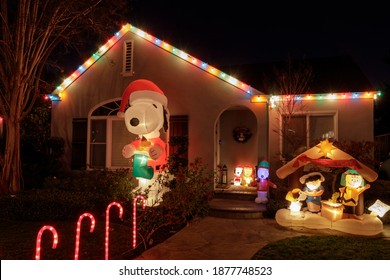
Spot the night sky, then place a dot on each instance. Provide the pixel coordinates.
(220, 33)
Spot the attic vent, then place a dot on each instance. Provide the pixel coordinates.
(128, 50)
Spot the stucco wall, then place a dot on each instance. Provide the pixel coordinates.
(190, 91)
(197, 94)
(354, 122)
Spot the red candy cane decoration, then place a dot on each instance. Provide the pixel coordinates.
(76, 252)
(106, 242)
(39, 238)
(135, 217)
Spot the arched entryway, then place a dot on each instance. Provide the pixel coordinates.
(236, 145)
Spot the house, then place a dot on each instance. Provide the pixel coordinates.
(206, 104)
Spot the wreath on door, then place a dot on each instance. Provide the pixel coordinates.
(241, 134)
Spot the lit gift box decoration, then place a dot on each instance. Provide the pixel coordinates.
(332, 210)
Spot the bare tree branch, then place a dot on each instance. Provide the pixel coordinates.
(291, 82)
(31, 30)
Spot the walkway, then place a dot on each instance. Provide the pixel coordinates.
(213, 238)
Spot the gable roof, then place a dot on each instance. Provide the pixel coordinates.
(249, 72)
(55, 95)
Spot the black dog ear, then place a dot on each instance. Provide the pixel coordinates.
(165, 125)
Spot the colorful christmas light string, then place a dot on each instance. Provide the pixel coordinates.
(58, 92)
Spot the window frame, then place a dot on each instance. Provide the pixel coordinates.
(109, 117)
(308, 114)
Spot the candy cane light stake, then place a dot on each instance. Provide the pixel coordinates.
(39, 238)
(76, 252)
(135, 217)
(108, 222)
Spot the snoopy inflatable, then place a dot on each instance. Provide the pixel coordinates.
(263, 183)
(146, 115)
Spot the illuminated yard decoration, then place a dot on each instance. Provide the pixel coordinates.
(107, 236)
(295, 207)
(248, 175)
(351, 193)
(92, 227)
(145, 117)
(379, 208)
(144, 110)
(295, 197)
(313, 190)
(39, 238)
(333, 211)
(141, 168)
(237, 175)
(263, 182)
(135, 217)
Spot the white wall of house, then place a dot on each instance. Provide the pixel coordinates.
(190, 91)
(353, 120)
(205, 99)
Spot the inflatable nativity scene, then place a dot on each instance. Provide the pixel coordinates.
(344, 210)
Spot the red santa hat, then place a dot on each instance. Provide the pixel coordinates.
(141, 89)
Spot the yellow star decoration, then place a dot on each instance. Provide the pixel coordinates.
(326, 147)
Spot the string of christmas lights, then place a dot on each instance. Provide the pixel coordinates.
(78, 228)
(107, 237)
(59, 91)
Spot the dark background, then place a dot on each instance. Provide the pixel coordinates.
(246, 32)
(222, 32)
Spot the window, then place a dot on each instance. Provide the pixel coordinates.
(128, 50)
(120, 137)
(302, 131)
(106, 137)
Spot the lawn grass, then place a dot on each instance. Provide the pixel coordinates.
(335, 247)
(325, 248)
(18, 240)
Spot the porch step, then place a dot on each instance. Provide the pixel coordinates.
(237, 195)
(236, 206)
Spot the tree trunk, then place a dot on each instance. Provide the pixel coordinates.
(11, 169)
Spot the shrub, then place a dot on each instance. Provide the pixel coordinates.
(190, 190)
(188, 196)
(68, 197)
(44, 205)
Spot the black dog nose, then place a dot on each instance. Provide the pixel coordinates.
(134, 122)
